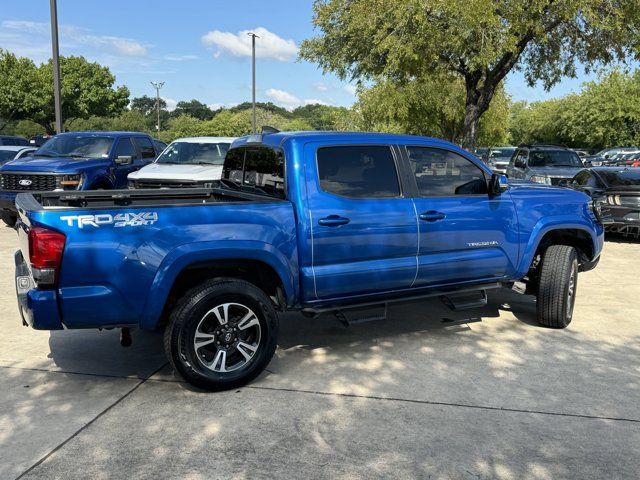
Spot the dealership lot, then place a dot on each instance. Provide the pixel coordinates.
(484, 394)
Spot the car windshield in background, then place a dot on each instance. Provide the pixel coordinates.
(76, 146)
(6, 155)
(554, 158)
(621, 178)
(501, 153)
(187, 153)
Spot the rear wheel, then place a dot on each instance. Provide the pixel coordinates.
(9, 219)
(222, 334)
(557, 287)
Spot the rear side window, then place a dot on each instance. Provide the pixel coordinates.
(125, 148)
(443, 173)
(257, 170)
(358, 171)
(146, 147)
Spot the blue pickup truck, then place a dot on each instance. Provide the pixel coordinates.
(75, 161)
(307, 221)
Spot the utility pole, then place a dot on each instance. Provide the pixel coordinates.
(56, 66)
(253, 78)
(157, 86)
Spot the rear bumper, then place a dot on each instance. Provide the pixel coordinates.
(38, 308)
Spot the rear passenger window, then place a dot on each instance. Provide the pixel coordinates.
(146, 147)
(443, 173)
(358, 171)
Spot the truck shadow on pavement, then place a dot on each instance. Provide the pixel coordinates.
(411, 396)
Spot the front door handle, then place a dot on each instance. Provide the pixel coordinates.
(432, 216)
(333, 221)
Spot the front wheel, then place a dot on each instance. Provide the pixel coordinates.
(222, 334)
(557, 287)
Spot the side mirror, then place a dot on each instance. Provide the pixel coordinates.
(124, 160)
(499, 184)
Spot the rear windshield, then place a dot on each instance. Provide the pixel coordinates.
(258, 170)
(621, 178)
(188, 153)
(76, 146)
(554, 158)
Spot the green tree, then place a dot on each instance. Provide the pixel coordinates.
(26, 91)
(147, 105)
(479, 40)
(193, 108)
(432, 106)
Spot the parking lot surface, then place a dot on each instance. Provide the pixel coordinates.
(427, 393)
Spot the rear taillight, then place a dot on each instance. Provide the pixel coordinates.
(45, 255)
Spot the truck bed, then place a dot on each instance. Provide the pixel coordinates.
(102, 199)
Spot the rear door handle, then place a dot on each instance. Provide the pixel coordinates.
(333, 221)
(432, 216)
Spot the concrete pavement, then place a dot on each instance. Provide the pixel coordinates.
(495, 396)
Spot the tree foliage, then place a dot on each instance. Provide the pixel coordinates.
(432, 106)
(479, 40)
(87, 89)
(605, 113)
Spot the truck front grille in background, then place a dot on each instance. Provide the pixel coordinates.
(160, 184)
(24, 182)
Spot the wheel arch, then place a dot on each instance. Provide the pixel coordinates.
(560, 232)
(263, 267)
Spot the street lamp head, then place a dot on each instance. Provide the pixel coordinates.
(251, 34)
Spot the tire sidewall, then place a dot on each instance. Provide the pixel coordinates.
(188, 317)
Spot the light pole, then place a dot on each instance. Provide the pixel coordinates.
(56, 66)
(157, 86)
(253, 79)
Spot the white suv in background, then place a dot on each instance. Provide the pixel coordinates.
(186, 162)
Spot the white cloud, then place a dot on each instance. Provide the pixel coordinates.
(290, 101)
(76, 36)
(320, 87)
(350, 89)
(171, 103)
(283, 98)
(268, 46)
(180, 58)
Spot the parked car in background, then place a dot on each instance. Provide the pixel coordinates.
(305, 221)
(75, 161)
(498, 158)
(8, 153)
(627, 159)
(581, 153)
(6, 140)
(186, 162)
(159, 144)
(480, 152)
(548, 164)
(608, 156)
(618, 190)
(39, 140)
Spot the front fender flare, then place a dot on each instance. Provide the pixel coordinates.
(192, 253)
(559, 222)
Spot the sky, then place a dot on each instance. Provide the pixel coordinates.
(198, 48)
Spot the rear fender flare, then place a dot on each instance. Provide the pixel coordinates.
(193, 253)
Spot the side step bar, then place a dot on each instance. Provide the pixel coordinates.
(465, 301)
(470, 297)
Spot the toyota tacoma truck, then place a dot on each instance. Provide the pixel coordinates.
(307, 221)
(75, 161)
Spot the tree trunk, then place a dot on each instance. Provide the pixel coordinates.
(48, 127)
(470, 128)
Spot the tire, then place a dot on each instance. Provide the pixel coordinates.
(196, 336)
(9, 219)
(558, 285)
